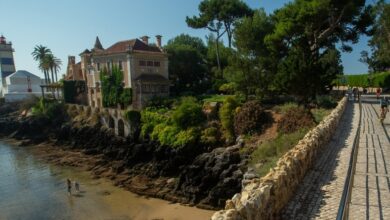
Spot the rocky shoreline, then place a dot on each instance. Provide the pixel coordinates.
(189, 175)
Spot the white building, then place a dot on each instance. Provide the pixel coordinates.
(7, 65)
(21, 85)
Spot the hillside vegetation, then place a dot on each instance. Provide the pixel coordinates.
(365, 80)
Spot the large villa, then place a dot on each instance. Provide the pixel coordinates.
(144, 67)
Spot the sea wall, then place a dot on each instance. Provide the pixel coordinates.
(110, 117)
(264, 198)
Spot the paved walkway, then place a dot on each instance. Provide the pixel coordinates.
(319, 195)
(371, 188)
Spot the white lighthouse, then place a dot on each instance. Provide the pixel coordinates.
(7, 64)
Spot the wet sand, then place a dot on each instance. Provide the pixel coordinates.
(31, 188)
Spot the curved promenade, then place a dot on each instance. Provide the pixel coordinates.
(319, 195)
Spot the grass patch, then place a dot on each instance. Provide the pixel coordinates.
(215, 98)
(282, 109)
(268, 153)
(320, 113)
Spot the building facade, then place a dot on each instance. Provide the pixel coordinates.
(7, 64)
(144, 67)
(73, 70)
(21, 85)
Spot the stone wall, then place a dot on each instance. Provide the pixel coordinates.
(109, 117)
(264, 198)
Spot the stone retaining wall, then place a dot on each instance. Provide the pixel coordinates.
(110, 117)
(264, 198)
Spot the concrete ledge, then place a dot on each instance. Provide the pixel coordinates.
(264, 198)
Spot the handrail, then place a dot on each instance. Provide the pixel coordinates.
(343, 211)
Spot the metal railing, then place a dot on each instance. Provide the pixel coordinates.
(346, 197)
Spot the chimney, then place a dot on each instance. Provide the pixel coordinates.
(71, 60)
(158, 40)
(145, 39)
(2, 40)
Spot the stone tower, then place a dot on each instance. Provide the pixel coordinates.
(7, 64)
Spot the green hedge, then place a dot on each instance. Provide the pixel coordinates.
(363, 80)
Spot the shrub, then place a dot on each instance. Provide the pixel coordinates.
(226, 114)
(134, 117)
(166, 134)
(295, 119)
(326, 101)
(319, 114)
(186, 137)
(228, 88)
(282, 109)
(156, 130)
(250, 118)
(268, 153)
(212, 134)
(150, 118)
(188, 113)
(49, 109)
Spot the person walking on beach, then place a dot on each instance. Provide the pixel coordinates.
(69, 183)
(77, 186)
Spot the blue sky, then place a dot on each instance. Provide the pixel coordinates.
(68, 27)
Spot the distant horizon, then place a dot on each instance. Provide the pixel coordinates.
(68, 30)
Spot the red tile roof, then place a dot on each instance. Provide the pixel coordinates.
(134, 44)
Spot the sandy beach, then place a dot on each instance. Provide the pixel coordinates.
(32, 188)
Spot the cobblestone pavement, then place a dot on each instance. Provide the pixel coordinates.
(319, 195)
(371, 188)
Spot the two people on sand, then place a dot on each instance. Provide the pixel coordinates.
(69, 185)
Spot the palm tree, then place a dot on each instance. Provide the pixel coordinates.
(56, 66)
(49, 60)
(39, 55)
(44, 65)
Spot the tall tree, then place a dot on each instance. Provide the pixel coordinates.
(303, 44)
(218, 16)
(44, 67)
(39, 53)
(54, 65)
(187, 67)
(252, 67)
(57, 66)
(380, 41)
(216, 74)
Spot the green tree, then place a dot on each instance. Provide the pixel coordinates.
(53, 64)
(187, 67)
(215, 69)
(193, 42)
(218, 16)
(380, 41)
(252, 67)
(303, 44)
(39, 53)
(226, 114)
